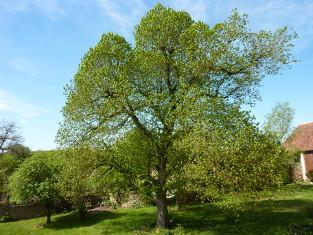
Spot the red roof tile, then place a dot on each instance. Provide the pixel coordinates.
(301, 138)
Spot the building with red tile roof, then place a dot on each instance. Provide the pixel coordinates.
(302, 139)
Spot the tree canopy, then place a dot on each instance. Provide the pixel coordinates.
(279, 121)
(36, 180)
(76, 177)
(177, 73)
(238, 158)
(10, 160)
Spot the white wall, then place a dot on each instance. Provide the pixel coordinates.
(305, 178)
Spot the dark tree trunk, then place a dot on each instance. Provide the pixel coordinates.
(48, 213)
(82, 209)
(48, 218)
(181, 204)
(162, 213)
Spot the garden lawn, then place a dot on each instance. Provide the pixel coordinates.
(290, 209)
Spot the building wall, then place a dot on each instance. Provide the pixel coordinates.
(303, 167)
(308, 157)
(306, 164)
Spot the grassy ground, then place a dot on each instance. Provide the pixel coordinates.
(292, 208)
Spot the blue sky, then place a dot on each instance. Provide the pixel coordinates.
(43, 41)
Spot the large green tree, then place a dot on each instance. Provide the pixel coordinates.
(173, 76)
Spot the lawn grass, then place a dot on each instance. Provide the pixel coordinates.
(292, 207)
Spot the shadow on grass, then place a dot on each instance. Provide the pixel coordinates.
(134, 222)
(265, 217)
(115, 222)
(72, 220)
(261, 217)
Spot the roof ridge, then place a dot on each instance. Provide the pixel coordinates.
(305, 123)
(301, 138)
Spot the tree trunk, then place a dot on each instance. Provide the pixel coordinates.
(82, 209)
(162, 213)
(48, 218)
(180, 204)
(48, 213)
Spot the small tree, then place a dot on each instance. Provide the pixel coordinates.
(75, 179)
(8, 164)
(88, 171)
(20, 151)
(279, 121)
(15, 154)
(36, 179)
(132, 162)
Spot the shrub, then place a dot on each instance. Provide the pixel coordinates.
(6, 218)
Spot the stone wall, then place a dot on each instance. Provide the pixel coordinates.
(297, 172)
(21, 211)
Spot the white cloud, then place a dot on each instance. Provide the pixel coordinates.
(262, 14)
(269, 15)
(51, 8)
(25, 66)
(4, 106)
(125, 14)
(199, 9)
(11, 104)
(275, 14)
